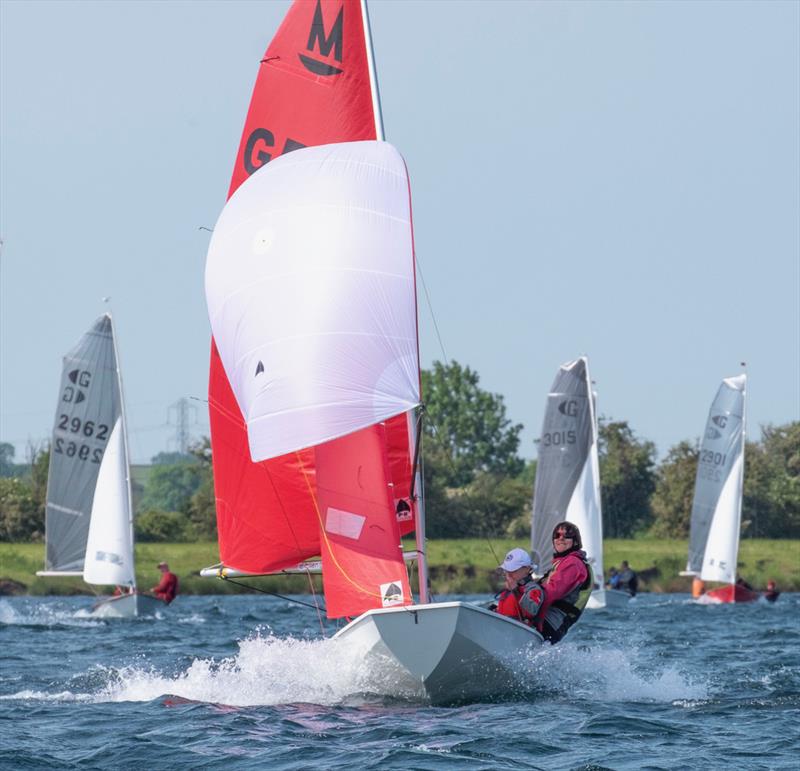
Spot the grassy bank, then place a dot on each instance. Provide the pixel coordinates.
(456, 566)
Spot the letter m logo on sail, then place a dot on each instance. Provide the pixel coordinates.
(317, 39)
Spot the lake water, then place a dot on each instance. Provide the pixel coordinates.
(250, 681)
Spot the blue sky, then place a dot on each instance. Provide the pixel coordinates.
(620, 180)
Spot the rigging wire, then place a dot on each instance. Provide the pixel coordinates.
(274, 594)
(430, 308)
(447, 361)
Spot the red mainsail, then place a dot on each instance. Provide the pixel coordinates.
(313, 87)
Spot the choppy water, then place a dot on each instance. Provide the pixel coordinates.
(249, 681)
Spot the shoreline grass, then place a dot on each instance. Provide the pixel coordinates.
(456, 566)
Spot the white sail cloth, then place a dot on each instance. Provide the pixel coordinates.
(310, 291)
(717, 504)
(109, 547)
(567, 485)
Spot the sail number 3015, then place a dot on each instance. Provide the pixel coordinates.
(559, 438)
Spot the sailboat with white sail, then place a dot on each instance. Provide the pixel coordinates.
(717, 504)
(315, 386)
(89, 516)
(567, 485)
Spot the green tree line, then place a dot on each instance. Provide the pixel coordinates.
(476, 483)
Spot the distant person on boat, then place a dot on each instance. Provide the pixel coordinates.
(741, 582)
(168, 586)
(613, 579)
(772, 592)
(555, 602)
(628, 580)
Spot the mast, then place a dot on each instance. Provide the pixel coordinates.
(741, 477)
(419, 530)
(594, 463)
(373, 76)
(125, 445)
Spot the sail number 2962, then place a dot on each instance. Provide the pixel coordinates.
(87, 428)
(81, 451)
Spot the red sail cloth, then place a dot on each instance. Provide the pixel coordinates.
(266, 512)
(362, 558)
(313, 88)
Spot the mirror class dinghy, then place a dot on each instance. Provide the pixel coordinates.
(314, 387)
(89, 516)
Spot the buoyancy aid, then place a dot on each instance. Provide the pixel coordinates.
(513, 603)
(562, 613)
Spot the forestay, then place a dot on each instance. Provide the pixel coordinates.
(567, 475)
(717, 505)
(89, 406)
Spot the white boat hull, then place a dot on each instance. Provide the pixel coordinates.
(128, 606)
(447, 652)
(607, 598)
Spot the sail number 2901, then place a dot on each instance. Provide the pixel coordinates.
(709, 456)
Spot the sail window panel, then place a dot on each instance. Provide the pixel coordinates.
(344, 523)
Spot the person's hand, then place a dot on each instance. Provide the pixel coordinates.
(511, 584)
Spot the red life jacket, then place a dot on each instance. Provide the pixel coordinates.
(511, 603)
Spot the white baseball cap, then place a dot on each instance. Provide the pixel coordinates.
(516, 559)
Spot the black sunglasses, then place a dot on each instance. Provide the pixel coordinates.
(563, 534)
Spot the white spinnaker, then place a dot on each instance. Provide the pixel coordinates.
(311, 296)
(109, 548)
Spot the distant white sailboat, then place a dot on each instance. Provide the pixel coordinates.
(567, 485)
(89, 515)
(717, 504)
